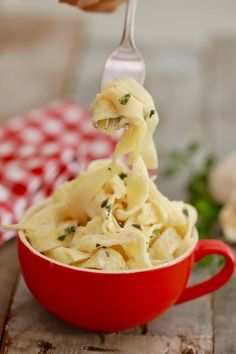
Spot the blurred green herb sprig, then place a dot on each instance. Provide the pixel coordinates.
(197, 186)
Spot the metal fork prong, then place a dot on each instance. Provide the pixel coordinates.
(107, 124)
(117, 126)
(126, 59)
(97, 124)
(126, 126)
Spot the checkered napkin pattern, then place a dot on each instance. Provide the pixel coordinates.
(41, 150)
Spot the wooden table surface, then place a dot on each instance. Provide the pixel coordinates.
(186, 82)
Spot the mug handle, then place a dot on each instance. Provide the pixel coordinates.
(203, 249)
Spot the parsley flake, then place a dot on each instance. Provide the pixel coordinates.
(61, 238)
(108, 208)
(156, 232)
(151, 113)
(125, 99)
(137, 226)
(70, 230)
(104, 203)
(123, 175)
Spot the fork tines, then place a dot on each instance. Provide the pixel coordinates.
(116, 124)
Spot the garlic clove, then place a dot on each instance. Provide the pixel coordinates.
(227, 219)
(223, 179)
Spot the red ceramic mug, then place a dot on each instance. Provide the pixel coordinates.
(108, 302)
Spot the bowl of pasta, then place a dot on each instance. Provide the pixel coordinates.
(110, 301)
(108, 251)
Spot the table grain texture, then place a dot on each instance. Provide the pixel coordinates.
(195, 92)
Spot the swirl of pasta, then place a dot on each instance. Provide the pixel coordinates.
(128, 101)
(112, 216)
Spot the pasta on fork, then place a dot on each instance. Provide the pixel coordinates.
(112, 217)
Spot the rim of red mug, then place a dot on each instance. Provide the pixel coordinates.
(172, 262)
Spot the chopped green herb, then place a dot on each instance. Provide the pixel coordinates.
(67, 231)
(123, 175)
(197, 188)
(151, 113)
(70, 230)
(108, 208)
(156, 232)
(137, 226)
(61, 238)
(104, 203)
(125, 99)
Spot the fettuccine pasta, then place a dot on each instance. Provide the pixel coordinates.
(113, 217)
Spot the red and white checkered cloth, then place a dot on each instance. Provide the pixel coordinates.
(41, 150)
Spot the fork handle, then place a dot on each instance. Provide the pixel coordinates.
(127, 40)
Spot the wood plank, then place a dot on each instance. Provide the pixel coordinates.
(8, 275)
(192, 321)
(31, 329)
(224, 318)
(146, 344)
(131, 344)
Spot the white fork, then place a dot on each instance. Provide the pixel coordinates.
(125, 60)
